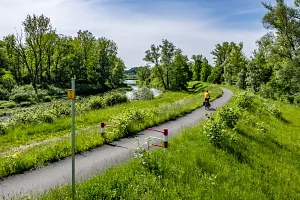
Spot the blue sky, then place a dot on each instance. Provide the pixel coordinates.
(195, 26)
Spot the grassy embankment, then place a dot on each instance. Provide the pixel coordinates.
(250, 153)
(16, 160)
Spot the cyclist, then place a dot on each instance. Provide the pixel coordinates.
(206, 96)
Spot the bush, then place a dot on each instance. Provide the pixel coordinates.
(266, 91)
(126, 121)
(47, 117)
(286, 98)
(113, 98)
(27, 93)
(273, 110)
(42, 94)
(25, 104)
(261, 127)
(143, 93)
(96, 102)
(47, 99)
(22, 93)
(86, 89)
(4, 94)
(8, 104)
(297, 99)
(8, 81)
(3, 129)
(229, 116)
(54, 91)
(243, 99)
(218, 134)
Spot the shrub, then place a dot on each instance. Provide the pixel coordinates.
(25, 104)
(42, 94)
(229, 116)
(8, 104)
(243, 99)
(19, 97)
(47, 99)
(126, 121)
(3, 129)
(218, 134)
(54, 91)
(297, 99)
(272, 108)
(266, 91)
(22, 93)
(86, 89)
(261, 127)
(47, 117)
(96, 102)
(4, 94)
(113, 98)
(143, 93)
(8, 81)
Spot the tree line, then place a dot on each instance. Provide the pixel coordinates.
(273, 70)
(39, 56)
(169, 69)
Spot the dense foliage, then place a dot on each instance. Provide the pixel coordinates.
(273, 71)
(48, 112)
(143, 93)
(169, 69)
(39, 56)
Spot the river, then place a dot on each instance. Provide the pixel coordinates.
(132, 83)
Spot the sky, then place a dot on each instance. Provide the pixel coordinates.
(195, 26)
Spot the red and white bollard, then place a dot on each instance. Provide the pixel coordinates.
(165, 138)
(102, 129)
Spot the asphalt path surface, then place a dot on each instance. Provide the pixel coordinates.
(96, 161)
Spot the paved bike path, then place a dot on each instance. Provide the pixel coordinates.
(97, 160)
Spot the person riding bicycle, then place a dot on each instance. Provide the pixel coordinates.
(206, 96)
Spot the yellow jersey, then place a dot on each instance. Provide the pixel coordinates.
(206, 95)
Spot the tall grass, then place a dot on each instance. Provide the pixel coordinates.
(262, 163)
(129, 122)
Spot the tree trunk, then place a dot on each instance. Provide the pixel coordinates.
(162, 78)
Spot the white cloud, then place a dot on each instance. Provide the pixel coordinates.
(133, 32)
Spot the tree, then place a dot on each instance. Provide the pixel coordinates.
(153, 57)
(13, 59)
(196, 68)
(285, 20)
(87, 53)
(179, 75)
(117, 73)
(241, 80)
(253, 75)
(216, 75)
(161, 57)
(144, 73)
(3, 62)
(105, 54)
(234, 63)
(38, 34)
(205, 70)
(168, 52)
(221, 52)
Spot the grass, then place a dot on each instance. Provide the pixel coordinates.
(263, 163)
(17, 160)
(26, 134)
